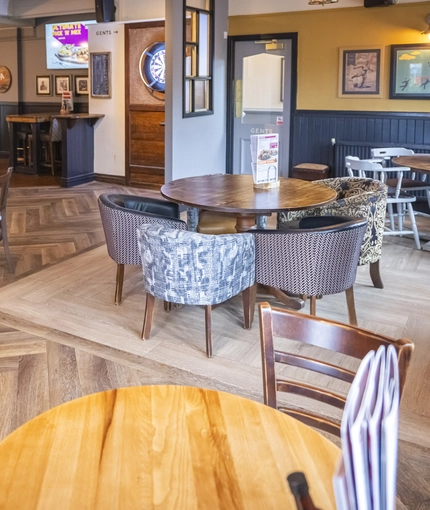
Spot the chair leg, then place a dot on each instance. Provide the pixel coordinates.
(400, 214)
(375, 275)
(51, 150)
(6, 243)
(391, 215)
(149, 315)
(167, 306)
(352, 315)
(208, 326)
(313, 305)
(414, 226)
(119, 283)
(248, 298)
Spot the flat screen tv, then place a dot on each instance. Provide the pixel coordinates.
(67, 45)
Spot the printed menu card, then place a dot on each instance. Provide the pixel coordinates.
(264, 158)
(365, 478)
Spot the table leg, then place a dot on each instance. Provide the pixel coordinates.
(192, 218)
(245, 222)
(294, 303)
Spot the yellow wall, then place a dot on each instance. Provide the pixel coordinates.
(321, 34)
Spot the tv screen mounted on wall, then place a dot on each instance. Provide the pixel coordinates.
(67, 45)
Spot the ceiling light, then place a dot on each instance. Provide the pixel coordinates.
(322, 2)
(427, 32)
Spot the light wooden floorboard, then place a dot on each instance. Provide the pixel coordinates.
(61, 336)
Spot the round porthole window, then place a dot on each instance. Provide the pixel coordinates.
(152, 67)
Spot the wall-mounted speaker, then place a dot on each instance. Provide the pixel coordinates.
(105, 11)
(379, 3)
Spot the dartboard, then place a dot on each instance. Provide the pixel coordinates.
(153, 67)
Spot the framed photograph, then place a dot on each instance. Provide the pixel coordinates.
(5, 79)
(360, 72)
(44, 85)
(62, 84)
(100, 74)
(81, 85)
(410, 71)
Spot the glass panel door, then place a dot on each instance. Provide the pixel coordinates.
(262, 92)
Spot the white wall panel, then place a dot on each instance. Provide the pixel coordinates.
(109, 132)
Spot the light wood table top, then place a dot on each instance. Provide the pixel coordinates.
(418, 162)
(236, 194)
(165, 447)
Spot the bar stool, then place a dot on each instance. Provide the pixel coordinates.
(22, 137)
(48, 139)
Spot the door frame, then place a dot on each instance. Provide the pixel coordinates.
(231, 41)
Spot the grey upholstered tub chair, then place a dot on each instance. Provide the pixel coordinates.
(356, 197)
(311, 262)
(195, 269)
(121, 215)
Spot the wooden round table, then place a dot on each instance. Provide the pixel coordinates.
(236, 194)
(165, 447)
(418, 162)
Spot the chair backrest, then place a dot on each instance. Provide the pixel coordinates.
(365, 168)
(310, 261)
(121, 216)
(55, 130)
(330, 338)
(4, 188)
(390, 152)
(360, 198)
(192, 268)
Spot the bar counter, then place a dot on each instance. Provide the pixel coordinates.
(77, 144)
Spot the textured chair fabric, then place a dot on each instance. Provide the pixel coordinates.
(311, 261)
(195, 269)
(356, 197)
(4, 189)
(120, 225)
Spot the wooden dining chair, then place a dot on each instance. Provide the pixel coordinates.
(4, 189)
(329, 338)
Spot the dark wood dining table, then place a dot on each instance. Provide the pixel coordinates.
(165, 447)
(236, 194)
(232, 193)
(419, 163)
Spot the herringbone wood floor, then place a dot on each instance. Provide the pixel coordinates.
(61, 336)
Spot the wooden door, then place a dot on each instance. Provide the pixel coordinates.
(144, 109)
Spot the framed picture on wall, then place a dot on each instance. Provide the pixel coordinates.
(5, 79)
(100, 74)
(360, 72)
(81, 85)
(44, 85)
(410, 71)
(62, 84)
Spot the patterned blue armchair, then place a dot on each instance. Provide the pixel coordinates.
(195, 269)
